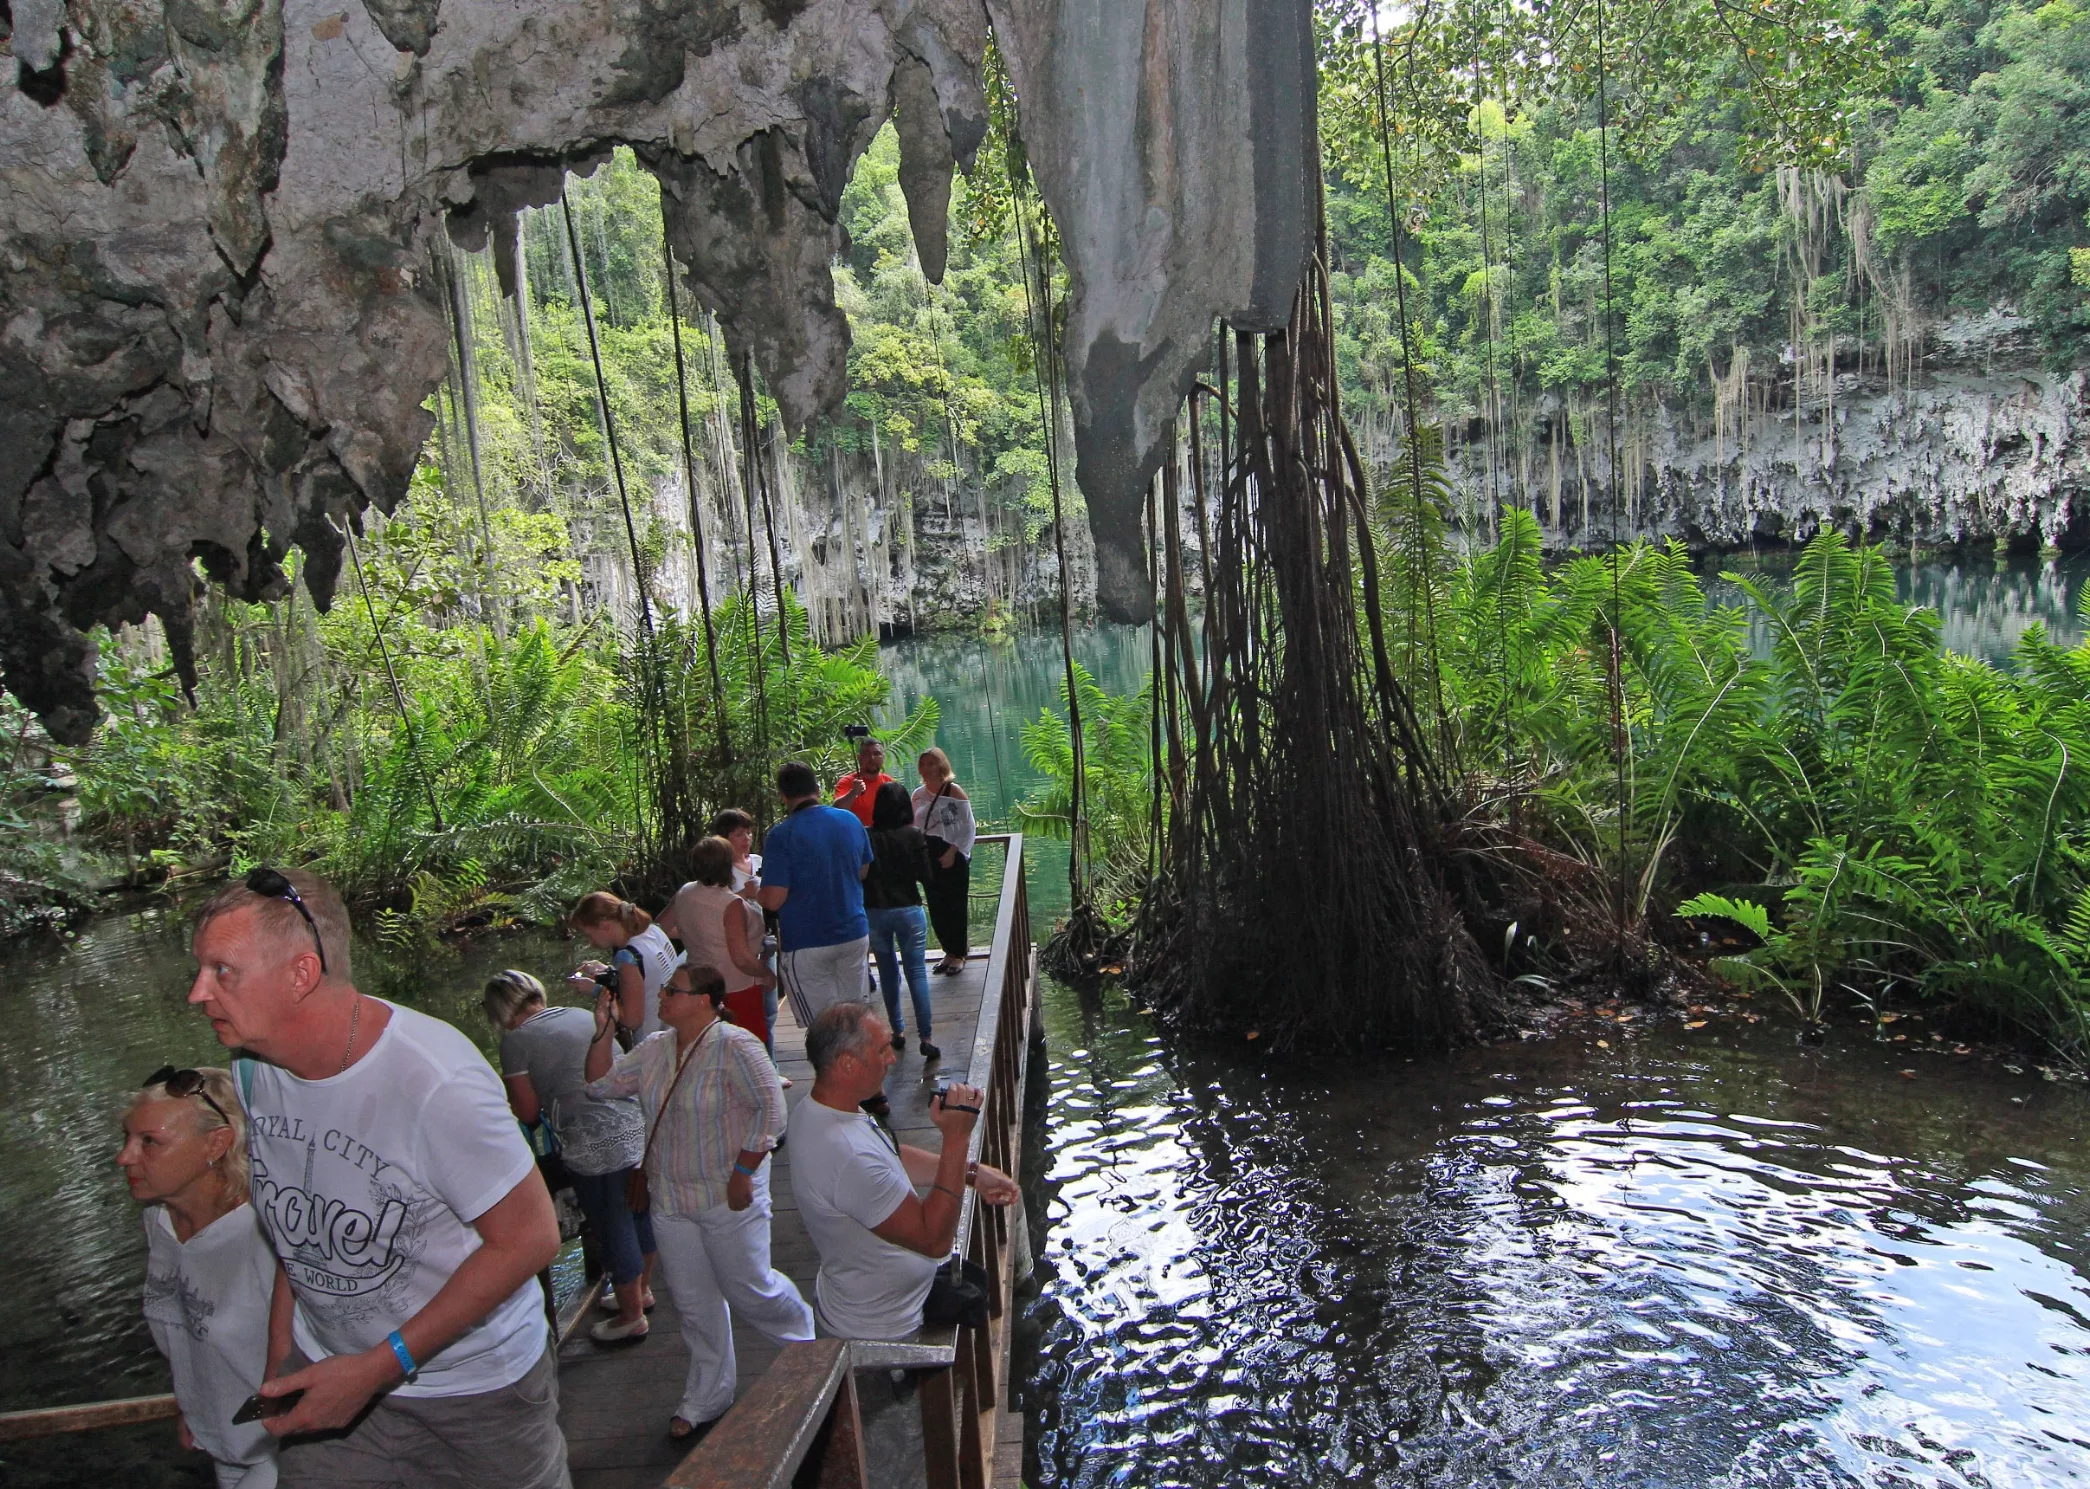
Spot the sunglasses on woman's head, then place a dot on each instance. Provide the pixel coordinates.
(185, 1083)
(272, 885)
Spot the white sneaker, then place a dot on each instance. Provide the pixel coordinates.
(609, 1331)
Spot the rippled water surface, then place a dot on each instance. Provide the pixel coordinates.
(1703, 1258)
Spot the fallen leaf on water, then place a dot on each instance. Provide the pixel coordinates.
(1116, 969)
(1695, 1024)
(1960, 1049)
(1888, 1018)
(1908, 1075)
(1255, 1033)
(1901, 1039)
(1603, 1044)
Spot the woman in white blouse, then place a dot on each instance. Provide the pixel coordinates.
(713, 1111)
(943, 812)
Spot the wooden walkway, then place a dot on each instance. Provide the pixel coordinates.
(615, 1400)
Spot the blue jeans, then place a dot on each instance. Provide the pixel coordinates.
(907, 927)
(627, 1239)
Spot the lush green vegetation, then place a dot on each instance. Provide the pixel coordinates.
(1795, 190)
(486, 722)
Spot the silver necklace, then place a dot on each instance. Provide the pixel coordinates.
(355, 1012)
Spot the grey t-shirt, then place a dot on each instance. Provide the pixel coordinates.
(551, 1048)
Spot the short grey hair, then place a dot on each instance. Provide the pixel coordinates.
(837, 1031)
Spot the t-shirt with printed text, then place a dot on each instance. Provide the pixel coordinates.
(207, 1304)
(367, 1183)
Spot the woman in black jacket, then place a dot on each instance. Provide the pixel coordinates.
(893, 905)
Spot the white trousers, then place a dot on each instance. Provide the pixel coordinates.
(260, 1475)
(717, 1268)
(818, 977)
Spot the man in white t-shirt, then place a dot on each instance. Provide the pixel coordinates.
(406, 1212)
(879, 1243)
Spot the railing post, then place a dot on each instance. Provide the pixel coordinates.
(938, 1392)
(842, 1463)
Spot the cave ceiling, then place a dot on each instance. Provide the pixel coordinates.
(220, 308)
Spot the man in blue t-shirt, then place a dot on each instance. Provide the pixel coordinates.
(813, 867)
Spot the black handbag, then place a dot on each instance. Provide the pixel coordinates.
(959, 1297)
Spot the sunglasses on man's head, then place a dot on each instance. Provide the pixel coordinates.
(270, 884)
(185, 1083)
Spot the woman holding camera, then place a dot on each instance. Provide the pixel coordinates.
(544, 1055)
(943, 812)
(641, 957)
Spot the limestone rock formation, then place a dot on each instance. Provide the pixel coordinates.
(217, 320)
(1175, 144)
(1982, 444)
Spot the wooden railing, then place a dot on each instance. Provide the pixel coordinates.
(93, 1416)
(799, 1423)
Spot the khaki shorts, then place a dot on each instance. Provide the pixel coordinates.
(505, 1439)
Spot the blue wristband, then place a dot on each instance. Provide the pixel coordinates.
(741, 1168)
(399, 1352)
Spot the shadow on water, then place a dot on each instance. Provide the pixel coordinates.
(1703, 1258)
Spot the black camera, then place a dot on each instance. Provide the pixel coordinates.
(941, 1096)
(856, 731)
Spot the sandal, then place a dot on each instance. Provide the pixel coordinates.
(609, 1331)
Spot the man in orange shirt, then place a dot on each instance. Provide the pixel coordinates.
(856, 791)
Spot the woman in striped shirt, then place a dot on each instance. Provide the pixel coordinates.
(713, 1110)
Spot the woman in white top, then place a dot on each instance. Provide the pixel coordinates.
(738, 829)
(722, 929)
(640, 952)
(713, 1111)
(943, 812)
(210, 1272)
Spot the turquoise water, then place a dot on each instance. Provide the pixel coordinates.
(1986, 604)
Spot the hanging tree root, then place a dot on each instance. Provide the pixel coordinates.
(1308, 890)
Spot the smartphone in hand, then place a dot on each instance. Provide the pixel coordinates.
(257, 1407)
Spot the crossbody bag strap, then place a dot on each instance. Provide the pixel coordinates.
(662, 1115)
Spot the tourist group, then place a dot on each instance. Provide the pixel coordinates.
(348, 1224)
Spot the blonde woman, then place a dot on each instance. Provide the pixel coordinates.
(210, 1273)
(943, 812)
(641, 955)
(543, 1054)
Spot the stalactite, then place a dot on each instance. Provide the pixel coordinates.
(463, 336)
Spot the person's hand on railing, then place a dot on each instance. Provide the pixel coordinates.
(993, 1186)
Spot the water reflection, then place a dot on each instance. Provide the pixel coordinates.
(1985, 604)
(1705, 1260)
(985, 691)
